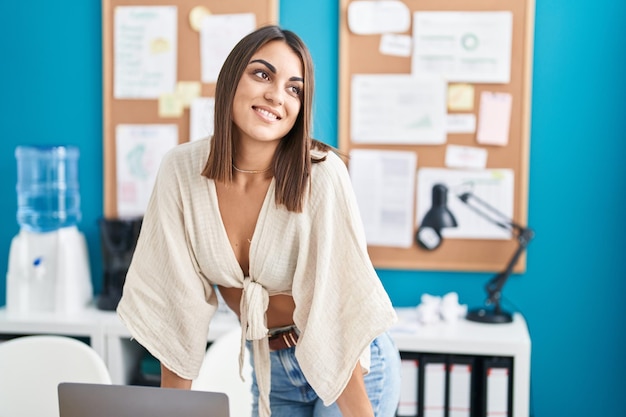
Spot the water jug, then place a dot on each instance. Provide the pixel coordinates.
(48, 267)
(48, 196)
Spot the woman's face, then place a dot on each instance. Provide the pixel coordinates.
(268, 97)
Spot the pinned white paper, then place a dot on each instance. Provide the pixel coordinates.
(384, 184)
(370, 17)
(201, 118)
(219, 33)
(145, 51)
(139, 150)
(466, 157)
(395, 45)
(398, 109)
(463, 46)
(493, 186)
(461, 123)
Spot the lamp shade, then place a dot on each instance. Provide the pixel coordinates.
(428, 236)
(439, 216)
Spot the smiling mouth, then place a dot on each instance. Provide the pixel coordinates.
(266, 114)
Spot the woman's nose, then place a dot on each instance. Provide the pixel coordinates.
(275, 95)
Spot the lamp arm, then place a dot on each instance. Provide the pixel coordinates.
(495, 285)
(482, 208)
(523, 236)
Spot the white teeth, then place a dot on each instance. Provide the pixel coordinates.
(267, 114)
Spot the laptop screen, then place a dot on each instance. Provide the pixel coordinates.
(98, 400)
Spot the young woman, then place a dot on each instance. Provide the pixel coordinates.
(265, 214)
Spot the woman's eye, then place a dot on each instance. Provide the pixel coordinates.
(261, 74)
(295, 90)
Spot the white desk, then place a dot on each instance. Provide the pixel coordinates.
(110, 338)
(105, 331)
(84, 325)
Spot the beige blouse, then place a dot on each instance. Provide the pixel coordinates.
(318, 256)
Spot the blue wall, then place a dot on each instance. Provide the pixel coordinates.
(573, 291)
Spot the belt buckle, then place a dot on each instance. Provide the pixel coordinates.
(286, 336)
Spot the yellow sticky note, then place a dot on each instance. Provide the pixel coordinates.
(187, 91)
(460, 97)
(159, 46)
(170, 105)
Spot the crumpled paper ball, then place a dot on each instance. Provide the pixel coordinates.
(434, 309)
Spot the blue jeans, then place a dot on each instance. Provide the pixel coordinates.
(292, 396)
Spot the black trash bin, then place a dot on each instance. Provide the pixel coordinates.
(118, 238)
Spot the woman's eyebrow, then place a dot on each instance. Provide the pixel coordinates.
(273, 69)
(267, 64)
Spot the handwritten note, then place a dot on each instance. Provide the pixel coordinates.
(187, 91)
(395, 45)
(139, 150)
(201, 118)
(144, 51)
(494, 118)
(170, 106)
(219, 33)
(460, 97)
(465, 157)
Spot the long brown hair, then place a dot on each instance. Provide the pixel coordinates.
(292, 159)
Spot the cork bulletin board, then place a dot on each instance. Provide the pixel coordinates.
(188, 69)
(360, 54)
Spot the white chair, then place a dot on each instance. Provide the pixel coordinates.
(220, 373)
(31, 368)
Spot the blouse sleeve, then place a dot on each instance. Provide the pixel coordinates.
(167, 304)
(341, 305)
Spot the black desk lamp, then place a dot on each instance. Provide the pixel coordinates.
(439, 216)
(429, 237)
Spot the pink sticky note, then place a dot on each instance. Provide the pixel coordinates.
(494, 118)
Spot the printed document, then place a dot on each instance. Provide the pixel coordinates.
(384, 184)
(398, 109)
(493, 186)
(463, 46)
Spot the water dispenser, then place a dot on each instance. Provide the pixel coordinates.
(48, 260)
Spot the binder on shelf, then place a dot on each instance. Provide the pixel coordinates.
(498, 387)
(455, 385)
(432, 402)
(409, 374)
(460, 387)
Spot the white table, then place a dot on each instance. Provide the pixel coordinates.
(110, 338)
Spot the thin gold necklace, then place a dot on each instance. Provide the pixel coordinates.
(252, 171)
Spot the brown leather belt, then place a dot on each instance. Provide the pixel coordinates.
(283, 339)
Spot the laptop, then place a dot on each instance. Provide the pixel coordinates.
(99, 400)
